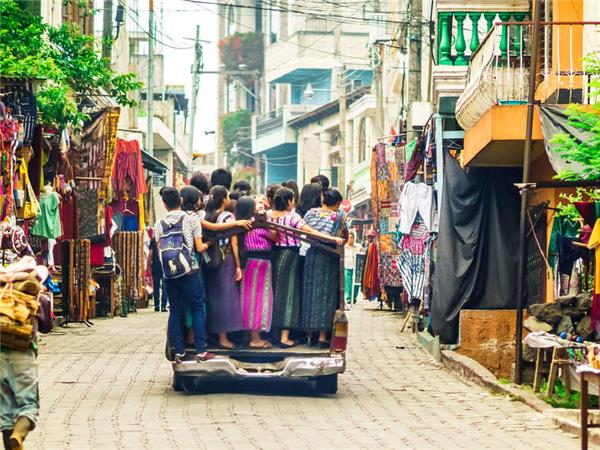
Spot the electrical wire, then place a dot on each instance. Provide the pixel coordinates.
(341, 18)
(127, 9)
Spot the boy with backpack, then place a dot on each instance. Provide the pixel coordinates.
(177, 235)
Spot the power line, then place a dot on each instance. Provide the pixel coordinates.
(127, 9)
(342, 19)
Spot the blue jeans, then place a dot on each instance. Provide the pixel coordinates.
(19, 395)
(160, 301)
(186, 291)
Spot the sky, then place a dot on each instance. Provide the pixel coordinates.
(178, 27)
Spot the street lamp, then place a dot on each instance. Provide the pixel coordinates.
(309, 91)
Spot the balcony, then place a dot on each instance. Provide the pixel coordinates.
(492, 107)
(459, 34)
(308, 50)
(455, 26)
(270, 130)
(498, 74)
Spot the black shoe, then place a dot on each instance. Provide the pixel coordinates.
(163, 310)
(156, 309)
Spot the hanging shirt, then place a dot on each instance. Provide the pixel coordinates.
(48, 222)
(594, 244)
(418, 198)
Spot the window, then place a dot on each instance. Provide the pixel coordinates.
(230, 20)
(250, 99)
(362, 140)
(272, 97)
(273, 23)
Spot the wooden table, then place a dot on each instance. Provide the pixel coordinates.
(586, 374)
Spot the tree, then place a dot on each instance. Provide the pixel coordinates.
(63, 60)
(587, 118)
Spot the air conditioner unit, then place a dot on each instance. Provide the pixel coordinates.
(419, 113)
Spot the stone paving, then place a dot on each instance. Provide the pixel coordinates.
(109, 387)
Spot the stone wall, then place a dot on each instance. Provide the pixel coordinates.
(488, 336)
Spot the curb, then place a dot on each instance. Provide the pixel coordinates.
(469, 369)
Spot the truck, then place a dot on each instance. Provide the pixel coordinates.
(299, 362)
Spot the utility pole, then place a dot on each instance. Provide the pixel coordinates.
(377, 65)
(414, 37)
(107, 30)
(196, 70)
(535, 44)
(343, 148)
(150, 82)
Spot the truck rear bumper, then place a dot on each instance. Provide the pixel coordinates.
(292, 367)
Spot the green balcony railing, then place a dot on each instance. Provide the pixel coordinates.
(453, 27)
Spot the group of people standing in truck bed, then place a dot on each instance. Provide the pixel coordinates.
(268, 282)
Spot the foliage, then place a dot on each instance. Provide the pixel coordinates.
(242, 48)
(236, 130)
(561, 399)
(587, 118)
(568, 209)
(248, 174)
(63, 57)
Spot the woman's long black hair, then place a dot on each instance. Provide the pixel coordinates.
(310, 198)
(216, 197)
(191, 197)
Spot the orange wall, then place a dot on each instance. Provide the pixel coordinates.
(567, 48)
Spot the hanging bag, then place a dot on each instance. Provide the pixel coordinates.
(31, 206)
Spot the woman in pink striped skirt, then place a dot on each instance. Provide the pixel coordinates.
(257, 289)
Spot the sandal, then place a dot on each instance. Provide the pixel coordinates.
(264, 345)
(224, 347)
(284, 345)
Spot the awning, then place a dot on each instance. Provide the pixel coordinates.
(152, 164)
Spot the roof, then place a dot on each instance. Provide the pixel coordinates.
(328, 109)
(152, 164)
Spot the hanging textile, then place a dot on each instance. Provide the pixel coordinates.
(48, 222)
(371, 286)
(418, 198)
(478, 244)
(128, 165)
(387, 168)
(594, 244)
(414, 259)
(92, 151)
(90, 214)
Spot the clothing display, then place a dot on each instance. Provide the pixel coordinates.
(418, 198)
(387, 180)
(128, 168)
(594, 244)
(414, 258)
(48, 222)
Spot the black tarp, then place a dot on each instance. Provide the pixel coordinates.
(476, 264)
(555, 121)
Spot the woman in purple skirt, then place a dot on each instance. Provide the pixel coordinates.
(222, 283)
(257, 284)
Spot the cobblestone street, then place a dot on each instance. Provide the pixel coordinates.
(109, 386)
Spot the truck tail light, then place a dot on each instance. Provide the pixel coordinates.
(339, 338)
